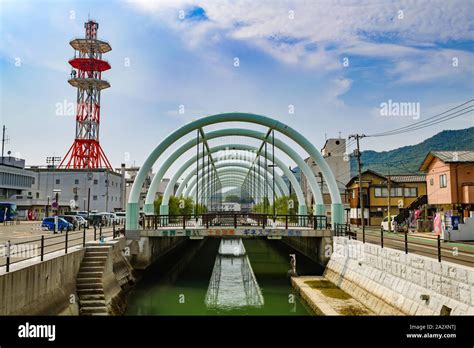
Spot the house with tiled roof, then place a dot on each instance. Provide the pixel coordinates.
(405, 190)
(450, 180)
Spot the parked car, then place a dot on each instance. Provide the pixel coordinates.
(82, 221)
(384, 223)
(109, 218)
(121, 216)
(48, 222)
(72, 219)
(96, 220)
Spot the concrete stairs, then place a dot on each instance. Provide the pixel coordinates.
(89, 284)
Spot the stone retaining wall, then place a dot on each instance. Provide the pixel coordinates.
(390, 282)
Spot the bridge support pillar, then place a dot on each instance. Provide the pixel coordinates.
(337, 215)
(302, 210)
(164, 210)
(149, 209)
(131, 221)
(318, 209)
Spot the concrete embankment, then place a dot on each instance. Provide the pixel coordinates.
(42, 288)
(90, 280)
(390, 282)
(317, 249)
(50, 287)
(325, 298)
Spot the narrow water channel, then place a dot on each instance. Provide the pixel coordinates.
(194, 279)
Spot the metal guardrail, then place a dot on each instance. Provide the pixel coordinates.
(344, 230)
(39, 247)
(317, 222)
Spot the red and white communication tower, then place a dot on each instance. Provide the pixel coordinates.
(86, 76)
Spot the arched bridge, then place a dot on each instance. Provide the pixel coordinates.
(193, 203)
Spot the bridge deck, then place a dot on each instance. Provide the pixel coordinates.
(233, 224)
(200, 231)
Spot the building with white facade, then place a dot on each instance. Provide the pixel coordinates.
(334, 153)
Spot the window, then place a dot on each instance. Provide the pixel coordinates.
(378, 192)
(443, 182)
(37, 195)
(76, 182)
(396, 191)
(96, 181)
(94, 198)
(58, 181)
(411, 192)
(384, 192)
(431, 182)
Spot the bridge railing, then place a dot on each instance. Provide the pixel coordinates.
(232, 219)
(343, 230)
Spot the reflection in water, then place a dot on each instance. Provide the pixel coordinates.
(233, 283)
(178, 283)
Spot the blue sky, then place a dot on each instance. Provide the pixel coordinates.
(183, 52)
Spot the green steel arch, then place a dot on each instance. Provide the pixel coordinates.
(228, 179)
(280, 184)
(289, 174)
(240, 171)
(219, 163)
(319, 209)
(132, 205)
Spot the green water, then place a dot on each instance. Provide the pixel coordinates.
(178, 283)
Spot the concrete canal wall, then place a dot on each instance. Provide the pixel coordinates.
(390, 282)
(146, 250)
(317, 249)
(50, 287)
(42, 288)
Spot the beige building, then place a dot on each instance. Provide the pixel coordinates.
(130, 174)
(334, 153)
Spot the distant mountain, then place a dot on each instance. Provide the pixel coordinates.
(407, 159)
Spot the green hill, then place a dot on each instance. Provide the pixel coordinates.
(408, 159)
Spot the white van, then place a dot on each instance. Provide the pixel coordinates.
(384, 223)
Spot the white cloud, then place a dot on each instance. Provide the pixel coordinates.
(385, 29)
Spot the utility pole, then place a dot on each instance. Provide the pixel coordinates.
(388, 205)
(361, 196)
(322, 182)
(273, 174)
(107, 191)
(53, 160)
(3, 141)
(197, 176)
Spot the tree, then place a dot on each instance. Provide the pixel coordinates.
(286, 205)
(179, 206)
(232, 199)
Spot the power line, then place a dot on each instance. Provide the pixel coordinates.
(429, 121)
